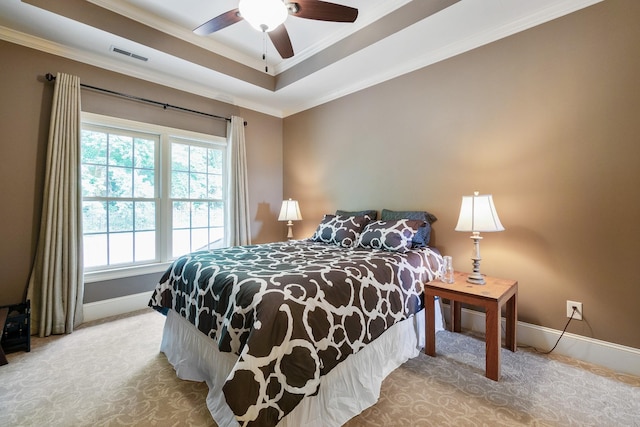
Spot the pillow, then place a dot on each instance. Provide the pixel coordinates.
(423, 236)
(339, 230)
(371, 213)
(395, 236)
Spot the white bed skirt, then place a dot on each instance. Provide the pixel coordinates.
(347, 390)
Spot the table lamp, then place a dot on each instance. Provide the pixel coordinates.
(478, 214)
(290, 211)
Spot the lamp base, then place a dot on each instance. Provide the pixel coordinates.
(476, 278)
(290, 231)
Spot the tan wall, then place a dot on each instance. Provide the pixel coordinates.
(545, 120)
(24, 117)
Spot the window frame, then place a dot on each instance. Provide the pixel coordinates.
(162, 198)
(169, 205)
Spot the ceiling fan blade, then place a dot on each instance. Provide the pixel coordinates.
(323, 11)
(219, 22)
(280, 39)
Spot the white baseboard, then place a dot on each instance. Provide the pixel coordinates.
(616, 357)
(115, 306)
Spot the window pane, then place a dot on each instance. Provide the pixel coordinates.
(145, 246)
(120, 150)
(120, 248)
(179, 185)
(95, 250)
(198, 186)
(215, 187)
(200, 214)
(144, 184)
(120, 182)
(181, 242)
(204, 182)
(94, 217)
(198, 159)
(215, 161)
(144, 153)
(216, 237)
(181, 215)
(94, 147)
(120, 216)
(199, 239)
(216, 214)
(145, 216)
(179, 157)
(94, 181)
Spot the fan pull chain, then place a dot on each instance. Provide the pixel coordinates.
(264, 51)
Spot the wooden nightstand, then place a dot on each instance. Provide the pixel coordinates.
(491, 296)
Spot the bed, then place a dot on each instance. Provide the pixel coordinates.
(299, 332)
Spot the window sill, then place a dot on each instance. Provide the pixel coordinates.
(119, 273)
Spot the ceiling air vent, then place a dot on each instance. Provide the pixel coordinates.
(127, 53)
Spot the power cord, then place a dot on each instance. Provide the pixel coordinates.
(559, 338)
(563, 331)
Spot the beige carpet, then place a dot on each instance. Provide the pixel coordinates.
(110, 373)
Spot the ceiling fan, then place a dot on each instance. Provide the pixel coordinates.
(269, 16)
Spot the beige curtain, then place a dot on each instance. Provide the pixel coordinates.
(56, 282)
(239, 216)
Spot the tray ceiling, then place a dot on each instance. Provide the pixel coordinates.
(389, 38)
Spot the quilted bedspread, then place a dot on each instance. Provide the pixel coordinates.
(291, 311)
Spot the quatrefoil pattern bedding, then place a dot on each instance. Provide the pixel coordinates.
(396, 236)
(291, 311)
(340, 230)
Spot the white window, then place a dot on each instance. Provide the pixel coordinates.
(149, 195)
(197, 204)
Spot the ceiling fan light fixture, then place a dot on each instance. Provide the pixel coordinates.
(263, 15)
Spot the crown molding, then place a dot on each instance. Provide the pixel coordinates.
(145, 18)
(411, 63)
(132, 70)
(458, 47)
(378, 12)
(130, 11)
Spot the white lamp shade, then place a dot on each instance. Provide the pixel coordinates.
(478, 213)
(290, 211)
(263, 15)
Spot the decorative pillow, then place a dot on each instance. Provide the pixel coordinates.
(339, 230)
(423, 236)
(371, 213)
(395, 236)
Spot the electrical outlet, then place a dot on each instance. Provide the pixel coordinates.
(578, 305)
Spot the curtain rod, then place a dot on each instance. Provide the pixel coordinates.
(50, 77)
